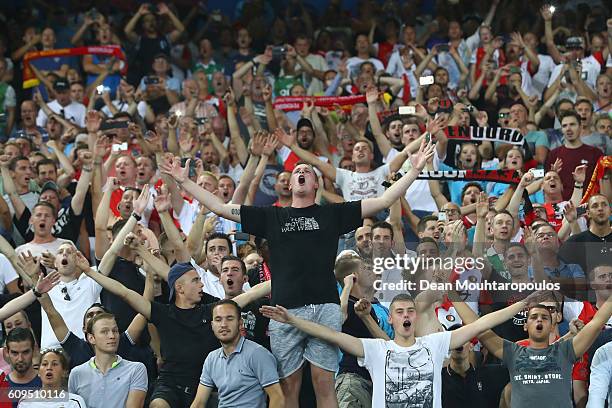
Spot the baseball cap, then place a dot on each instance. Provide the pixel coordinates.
(304, 122)
(49, 185)
(61, 84)
(176, 271)
(574, 43)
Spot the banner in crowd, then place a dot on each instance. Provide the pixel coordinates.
(295, 103)
(498, 176)
(603, 164)
(30, 80)
(482, 134)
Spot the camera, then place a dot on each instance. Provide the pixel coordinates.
(151, 80)
(468, 108)
(278, 51)
(201, 121)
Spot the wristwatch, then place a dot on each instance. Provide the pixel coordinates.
(36, 293)
(138, 217)
(578, 185)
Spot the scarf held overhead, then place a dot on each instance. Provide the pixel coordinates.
(294, 103)
(482, 134)
(30, 80)
(497, 176)
(604, 164)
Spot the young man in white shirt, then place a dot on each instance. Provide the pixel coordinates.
(75, 293)
(42, 221)
(64, 106)
(406, 370)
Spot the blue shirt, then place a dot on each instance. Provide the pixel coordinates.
(564, 271)
(242, 376)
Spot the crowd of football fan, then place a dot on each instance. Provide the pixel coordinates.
(200, 209)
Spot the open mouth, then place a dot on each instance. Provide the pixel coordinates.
(141, 174)
(539, 326)
(42, 225)
(301, 180)
(230, 282)
(407, 323)
(64, 262)
(49, 375)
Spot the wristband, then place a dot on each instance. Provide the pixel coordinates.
(138, 217)
(578, 185)
(36, 293)
(88, 169)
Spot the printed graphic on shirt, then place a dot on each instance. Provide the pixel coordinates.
(538, 369)
(300, 224)
(409, 379)
(364, 187)
(250, 321)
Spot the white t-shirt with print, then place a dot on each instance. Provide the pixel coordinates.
(590, 65)
(357, 186)
(406, 376)
(82, 292)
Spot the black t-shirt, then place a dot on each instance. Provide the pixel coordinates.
(459, 392)
(256, 324)
(67, 225)
(354, 326)
(587, 250)
(303, 246)
(186, 338)
(126, 273)
(512, 329)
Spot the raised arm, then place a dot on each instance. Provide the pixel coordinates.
(383, 143)
(58, 325)
(101, 217)
(327, 169)
(256, 292)
(132, 298)
(163, 205)
(234, 129)
(347, 343)
(585, 338)
(9, 186)
(476, 328)
(208, 199)
(109, 258)
(78, 200)
(371, 206)
(139, 322)
(44, 285)
(131, 25)
(362, 309)
(178, 26)
(553, 51)
(489, 339)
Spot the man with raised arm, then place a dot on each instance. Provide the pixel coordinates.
(184, 329)
(304, 241)
(541, 368)
(405, 371)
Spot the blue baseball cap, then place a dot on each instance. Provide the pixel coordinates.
(176, 271)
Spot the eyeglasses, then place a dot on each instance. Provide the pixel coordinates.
(65, 293)
(551, 309)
